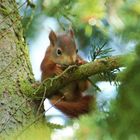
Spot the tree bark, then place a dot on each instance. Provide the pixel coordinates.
(16, 109)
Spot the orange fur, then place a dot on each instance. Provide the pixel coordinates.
(74, 109)
(74, 103)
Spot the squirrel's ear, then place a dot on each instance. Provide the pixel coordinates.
(71, 32)
(52, 37)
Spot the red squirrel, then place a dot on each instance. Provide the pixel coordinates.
(62, 52)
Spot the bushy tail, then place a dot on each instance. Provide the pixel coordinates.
(74, 109)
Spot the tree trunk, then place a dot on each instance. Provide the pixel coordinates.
(16, 109)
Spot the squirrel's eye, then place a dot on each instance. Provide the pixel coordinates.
(76, 50)
(59, 52)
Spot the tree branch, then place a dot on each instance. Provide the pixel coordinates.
(76, 73)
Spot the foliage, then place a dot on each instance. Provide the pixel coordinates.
(125, 115)
(93, 126)
(130, 16)
(35, 132)
(99, 51)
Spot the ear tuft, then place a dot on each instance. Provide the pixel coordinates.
(71, 32)
(52, 37)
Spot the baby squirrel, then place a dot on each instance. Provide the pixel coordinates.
(61, 53)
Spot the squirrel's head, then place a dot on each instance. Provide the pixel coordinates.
(63, 48)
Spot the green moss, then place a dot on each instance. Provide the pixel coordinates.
(26, 87)
(4, 10)
(11, 89)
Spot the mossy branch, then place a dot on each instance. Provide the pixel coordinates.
(76, 73)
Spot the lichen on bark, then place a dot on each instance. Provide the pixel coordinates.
(16, 108)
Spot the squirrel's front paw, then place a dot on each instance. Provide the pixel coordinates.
(80, 62)
(58, 69)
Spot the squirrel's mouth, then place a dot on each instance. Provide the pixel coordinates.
(64, 66)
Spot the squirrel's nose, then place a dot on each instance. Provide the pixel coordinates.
(72, 60)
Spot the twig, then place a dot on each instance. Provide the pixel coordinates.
(13, 11)
(41, 103)
(12, 61)
(12, 115)
(61, 74)
(9, 74)
(8, 30)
